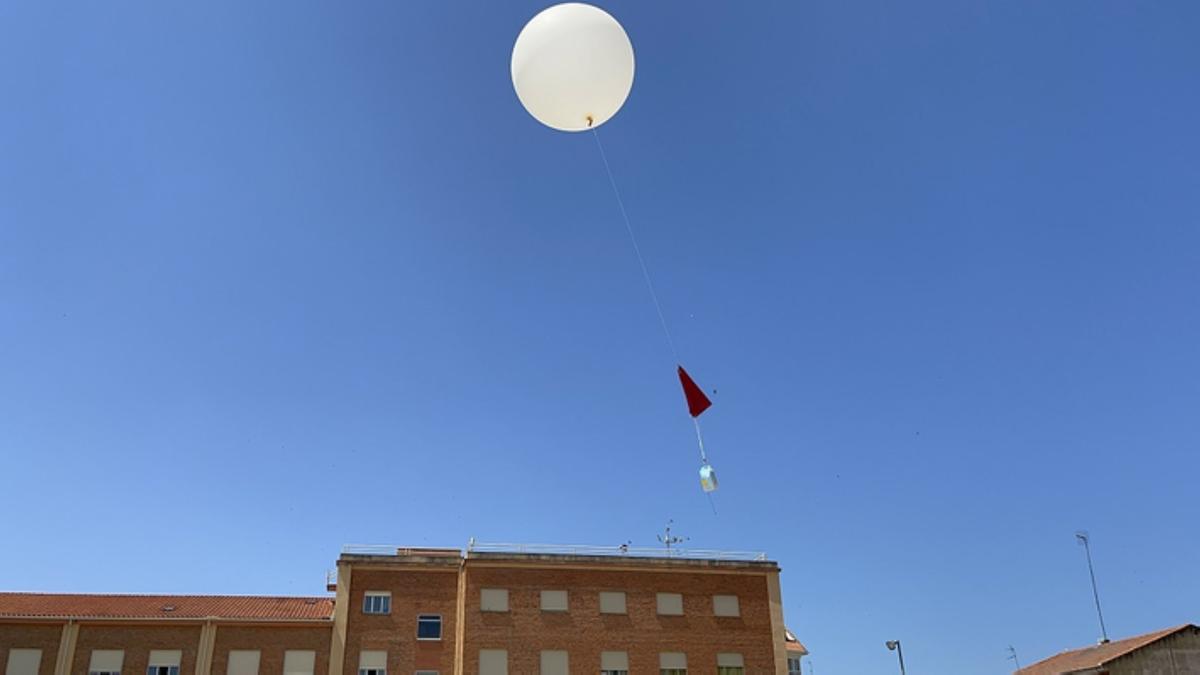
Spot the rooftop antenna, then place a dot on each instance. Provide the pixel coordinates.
(1012, 656)
(667, 539)
(1083, 539)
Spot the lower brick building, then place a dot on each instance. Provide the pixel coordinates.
(406, 611)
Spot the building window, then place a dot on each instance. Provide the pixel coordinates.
(23, 661)
(377, 602)
(554, 663)
(554, 601)
(672, 663)
(429, 627)
(614, 663)
(493, 600)
(726, 605)
(670, 604)
(794, 666)
(373, 662)
(164, 662)
(493, 662)
(299, 662)
(612, 602)
(242, 662)
(106, 662)
(730, 664)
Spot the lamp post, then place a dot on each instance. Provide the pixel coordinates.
(1083, 539)
(894, 645)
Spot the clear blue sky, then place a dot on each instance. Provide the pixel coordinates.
(279, 276)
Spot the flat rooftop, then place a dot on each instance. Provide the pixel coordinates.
(561, 554)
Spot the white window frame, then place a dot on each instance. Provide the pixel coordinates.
(384, 599)
(797, 670)
(429, 618)
(665, 602)
(613, 598)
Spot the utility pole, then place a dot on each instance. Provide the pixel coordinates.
(1082, 537)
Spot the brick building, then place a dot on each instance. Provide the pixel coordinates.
(399, 611)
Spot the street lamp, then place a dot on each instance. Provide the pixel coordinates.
(894, 645)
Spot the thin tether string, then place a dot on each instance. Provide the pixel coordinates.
(637, 250)
(700, 440)
(662, 319)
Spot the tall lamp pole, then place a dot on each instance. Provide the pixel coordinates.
(894, 645)
(1083, 539)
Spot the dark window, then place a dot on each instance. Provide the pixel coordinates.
(429, 627)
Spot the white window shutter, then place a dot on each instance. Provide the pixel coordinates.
(493, 662)
(612, 602)
(376, 659)
(243, 662)
(670, 604)
(554, 601)
(672, 660)
(165, 657)
(23, 662)
(493, 600)
(299, 662)
(726, 605)
(555, 663)
(614, 661)
(730, 661)
(106, 661)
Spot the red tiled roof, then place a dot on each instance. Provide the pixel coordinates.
(87, 606)
(793, 644)
(1096, 655)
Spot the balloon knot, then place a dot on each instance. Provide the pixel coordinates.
(590, 121)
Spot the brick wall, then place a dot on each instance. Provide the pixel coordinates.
(526, 630)
(136, 641)
(271, 641)
(413, 592)
(31, 636)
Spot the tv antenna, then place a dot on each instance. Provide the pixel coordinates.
(1082, 537)
(668, 540)
(1012, 656)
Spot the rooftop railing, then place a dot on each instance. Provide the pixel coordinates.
(615, 551)
(558, 549)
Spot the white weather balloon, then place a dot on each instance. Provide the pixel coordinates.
(572, 66)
